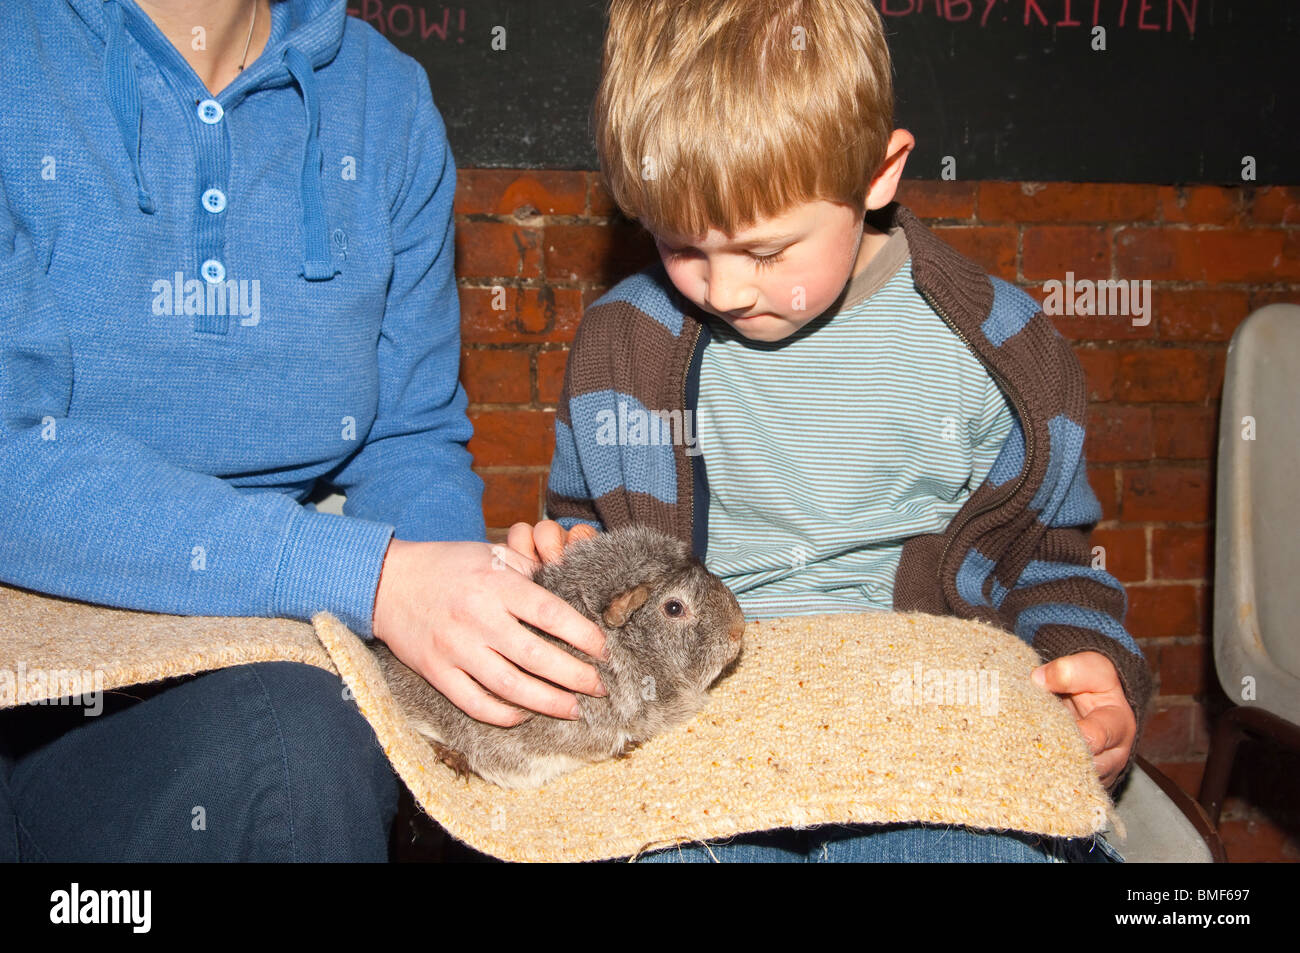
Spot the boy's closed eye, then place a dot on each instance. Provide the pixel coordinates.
(760, 261)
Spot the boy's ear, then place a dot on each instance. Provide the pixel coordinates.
(624, 604)
(885, 184)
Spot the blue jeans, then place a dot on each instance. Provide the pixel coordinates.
(891, 843)
(257, 762)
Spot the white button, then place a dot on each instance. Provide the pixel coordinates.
(214, 200)
(210, 111)
(213, 271)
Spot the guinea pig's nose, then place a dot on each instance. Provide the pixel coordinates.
(737, 628)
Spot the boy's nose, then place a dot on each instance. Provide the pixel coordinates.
(733, 314)
(729, 296)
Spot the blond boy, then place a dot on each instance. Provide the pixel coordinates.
(858, 418)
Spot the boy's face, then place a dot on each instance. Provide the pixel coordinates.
(771, 279)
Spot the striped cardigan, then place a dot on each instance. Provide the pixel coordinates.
(1016, 555)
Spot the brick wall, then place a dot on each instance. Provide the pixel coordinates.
(544, 245)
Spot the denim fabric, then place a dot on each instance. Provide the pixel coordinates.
(893, 843)
(282, 766)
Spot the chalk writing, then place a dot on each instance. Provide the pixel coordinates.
(1163, 16)
(413, 19)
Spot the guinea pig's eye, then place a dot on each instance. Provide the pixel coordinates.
(673, 608)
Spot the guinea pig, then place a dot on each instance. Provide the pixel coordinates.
(670, 626)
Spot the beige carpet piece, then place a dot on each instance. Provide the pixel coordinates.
(870, 718)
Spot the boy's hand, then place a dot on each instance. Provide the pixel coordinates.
(545, 542)
(1089, 686)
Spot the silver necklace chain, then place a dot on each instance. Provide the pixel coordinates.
(251, 23)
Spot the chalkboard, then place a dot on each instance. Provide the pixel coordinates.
(1185, 91)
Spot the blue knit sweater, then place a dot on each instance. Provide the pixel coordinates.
(207, 304)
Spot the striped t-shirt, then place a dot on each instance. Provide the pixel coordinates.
(826, 451)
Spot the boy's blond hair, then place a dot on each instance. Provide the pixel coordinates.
(716, 113)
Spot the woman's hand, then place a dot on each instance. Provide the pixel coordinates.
(545, 542)
(452, 610)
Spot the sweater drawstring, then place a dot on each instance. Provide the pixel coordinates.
(124, 98)
(317, 265)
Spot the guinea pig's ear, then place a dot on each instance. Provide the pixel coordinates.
(623, 605)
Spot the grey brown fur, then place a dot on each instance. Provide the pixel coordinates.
(660, 665)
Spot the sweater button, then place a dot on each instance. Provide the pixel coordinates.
(214, 200)
(210, 111)
(213, 271)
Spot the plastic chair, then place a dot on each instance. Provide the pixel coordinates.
(1256, 603)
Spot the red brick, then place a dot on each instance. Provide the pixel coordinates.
(512, 496)
(1126, 552)
(531, 315)
(1102, 481)
(1277, 205)
(599, 253)
(1218, 366)
(1184, 667)
(1202, 204)
(1099, 366)
(1186, 774)
(1266, 296)
(1098, 327)
(1172, 374)
(1156, 612)
(937, 199)
(993, 249)
(496, 377)
(600, 203)
(511, 438)
(1184, 433)
(592, 294)
(1201, 728)
(1049, 251)
(497, 250)
(1213, 255)
(1181, 552)
(550, 375)
(1167, 734)
(1210, 314)
(1205, 608)
(1173, 494)
(1117, 432)
(1061, 202)
(522, 194)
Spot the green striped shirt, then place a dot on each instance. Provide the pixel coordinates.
(827, 451)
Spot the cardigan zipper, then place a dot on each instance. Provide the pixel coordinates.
(1026, 429)
(690, 466)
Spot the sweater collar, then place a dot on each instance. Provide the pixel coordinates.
(882, 266)
(305, 35)
(313, 27)
(955, 284)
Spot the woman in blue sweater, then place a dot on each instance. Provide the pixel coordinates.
(226, 274)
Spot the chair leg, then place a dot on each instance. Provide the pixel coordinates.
(1227, 737)
(1233, 726)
